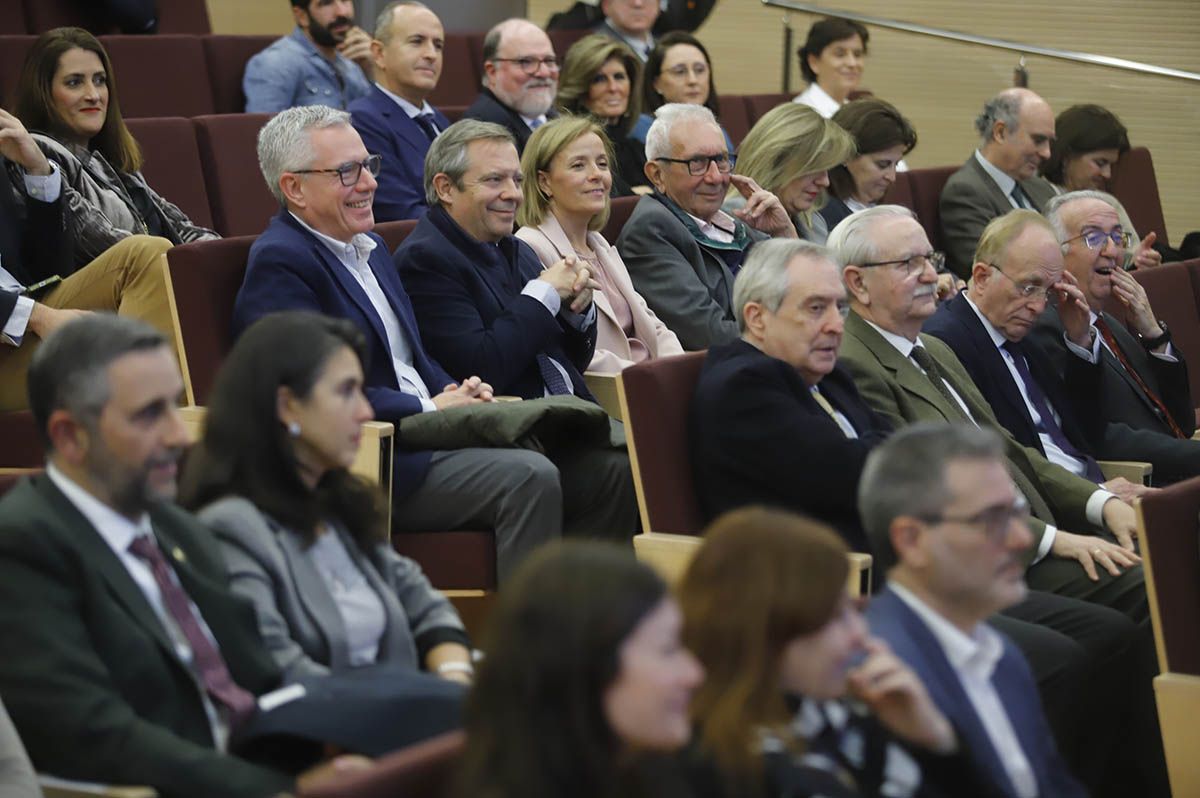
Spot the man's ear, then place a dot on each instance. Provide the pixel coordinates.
(377, 54)
(653, 170)
(444, 187)
(70, 439)
(1000, 131)
(754, 320)
(906, 534)
(489, 72)
(300, 16)
(854, 279)
(292, 187)
(981, 273)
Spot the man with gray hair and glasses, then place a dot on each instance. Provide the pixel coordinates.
(520, 79)
(682, 251)
(319, 254)
(1016, 129)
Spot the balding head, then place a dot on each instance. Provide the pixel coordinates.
(1016, 130)
(519, 67)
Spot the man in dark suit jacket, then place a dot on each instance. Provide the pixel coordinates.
(951, 530)
(789, 303)
(520, 80)
(630, 22)
(396, 120)
(1016, 128)
(1144, 389)
(685, 15)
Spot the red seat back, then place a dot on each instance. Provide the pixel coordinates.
(241, 203)
(1171, 548)
(759, 104)
(163, 75)
(453, 112)
(172, 164)
(735, 116)
(1135, 185)
(13, 19)
(20, 444)
(394, 233)
(459, 82)
(183, 16)
(901, 192)
(42, 15)
(226, 57)
(1171, 291)
(927, 185)
(12, 55)
(621, 209)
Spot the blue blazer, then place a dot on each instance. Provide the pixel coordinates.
(290, 269)
(388, 131)
(473, 316)
(894, 621)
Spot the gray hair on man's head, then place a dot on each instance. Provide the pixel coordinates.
(383, 22)
(1004, 107)
(1055, 205)
(448, 153)
(658, 138)
(851, 240)
(495, 37)
(763, 278)
(906, 475)
(68, 370)
(285, 145)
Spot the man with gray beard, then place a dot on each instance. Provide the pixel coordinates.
(520, 79)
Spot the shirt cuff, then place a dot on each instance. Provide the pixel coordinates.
(1095, 506)
(427, 406)
(1046, 543)
(580, 321)
(1091, 356)
(543, 292)
(18, 321)
(1169, 355)
(44, 188)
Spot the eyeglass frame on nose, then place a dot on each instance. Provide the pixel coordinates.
(933, 257)
(1027, 290)
(531, 64)
(1123, 242)
(708, 160)
(993, 521)
(371, 163)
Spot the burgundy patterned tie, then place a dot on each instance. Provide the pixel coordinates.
(1165, 414)
(206, 659)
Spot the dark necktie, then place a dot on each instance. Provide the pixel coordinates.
(1047, 423)
(206, 659)
(1163, 413)
(425, 121)
(552, 377)
(1019, 196)
(934, 373)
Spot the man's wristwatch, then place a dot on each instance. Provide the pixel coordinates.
(1158, 340)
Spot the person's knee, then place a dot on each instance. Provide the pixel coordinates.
(533, 474)
(140, 253)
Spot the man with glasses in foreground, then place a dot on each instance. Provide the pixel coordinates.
(682, 251)
(520, 79)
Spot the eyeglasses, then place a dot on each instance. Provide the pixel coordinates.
(1027, 290)
(1094, 239)
(348, 173)
(915, 263)
(994, 520)
(530, 64)
(698, 165)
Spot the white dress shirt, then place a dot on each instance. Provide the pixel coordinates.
(410, 109)
(719, 228)
(838, 415)
(818, 99)
(44, 188)
(1005, 182)
(973, 658)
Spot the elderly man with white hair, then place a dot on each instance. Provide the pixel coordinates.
(682, 251)
(520, 79)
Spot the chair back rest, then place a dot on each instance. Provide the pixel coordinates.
(656, 396)
(1171, 292)
(927, 185)
(21, 445)
(226, 56)
(13, 19)
(1170, 533)
(140, 62)
(394, 233)
(183, 16)
(424, 770)
(735, 116)
(620, 209)
(759, 104)
(1135, 185)
(241, 202)
(13, 48)
(172, 164)
(901, 192)
(459, 81)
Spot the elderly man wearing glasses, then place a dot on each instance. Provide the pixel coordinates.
(682, 251)
(520, 79)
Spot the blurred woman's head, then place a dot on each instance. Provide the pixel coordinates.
(766, 611)
(600, 76)
(567, 170)
(1089, 140)
(790, 151)
(679, 71)
(882, 137)
(583, 673)
(834, 55)
(67, 90)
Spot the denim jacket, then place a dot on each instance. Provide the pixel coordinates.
(292, 72)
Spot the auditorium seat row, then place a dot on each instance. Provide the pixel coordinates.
(35, 16)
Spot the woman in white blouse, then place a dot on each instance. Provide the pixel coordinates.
(832, 60)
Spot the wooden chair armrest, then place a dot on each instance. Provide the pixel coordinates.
(604, 388)
(1137, 472)
(193, 418)
(1178, 697)
(859, 580)
(53, 787)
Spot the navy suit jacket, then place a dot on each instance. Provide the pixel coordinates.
(959, 326)
(388, 131)
(488, 108)
(801, 460)
(290, 269)
(913, 642)
(33, 242)
(473, 316)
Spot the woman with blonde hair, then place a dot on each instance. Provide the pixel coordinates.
(798, 698)
(567, 170)
(601, 76)
(789, 152)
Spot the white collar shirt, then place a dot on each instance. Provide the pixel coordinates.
(1005, 182)
(818, 99)
(838, 415)
(719, 228)
(410, 109)
(906, 347)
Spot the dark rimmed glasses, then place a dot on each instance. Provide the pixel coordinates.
(530, 64)
(348, 173)
(915, 263)
(994, 521)
(698, 164)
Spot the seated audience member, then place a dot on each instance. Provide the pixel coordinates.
(882, 137)
(320, 255)
(326, 60)
(677, 71)
(1048, 405)
(396, 120)
(68, 94)
(789, 152)
(17, 779)
(685, 15)
(40, 287)
(138, 665)
(951, 530)
(832, 59)
(305, 540)
(584, 686)
(798, 699)
(789, 303)
(600, 77)
(630, 22)
(1016, 132)
(520, 79)
(566, 171)
(1089, 141)
(681, 249)
(130, 16)
(1144, 385)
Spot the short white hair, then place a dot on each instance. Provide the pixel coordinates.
(285, 144)
(851, 241)
(1055, 205)
(658, 138)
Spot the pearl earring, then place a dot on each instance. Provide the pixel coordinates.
(293, 429)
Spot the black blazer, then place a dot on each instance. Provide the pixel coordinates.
(487, 107)
(472, 315)
(33, 242)
(759, 437)
(833, 211)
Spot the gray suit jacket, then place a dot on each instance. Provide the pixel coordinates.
(969, 201)
(297, 616)
(687, 284)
